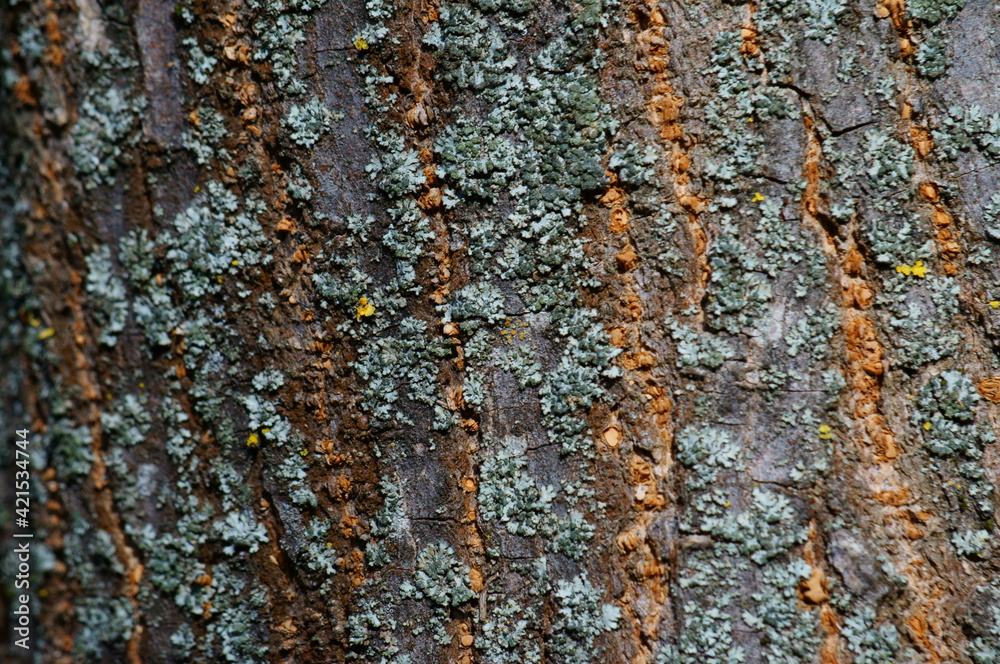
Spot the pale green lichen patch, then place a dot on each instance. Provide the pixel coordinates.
(127, 422)
(870, 642)
(932, 56)
(736, 537)
(239, 530)
(442, 581)
(440, 578)
(279, 30)
(791, 634)
(706, 451)
(696, 349)
(408, 357)
(934, 11)
(105, 622)
(761, 532)
(961, 128)
(945, 415)
(508, 635)
(108, 291)
(921, 316)
(385, 526)
(972, 543)
(510, 495)
(985, 647)
(306, 123)
(580, 618)
(107, 127)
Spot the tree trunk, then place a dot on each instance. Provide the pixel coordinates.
(503, 331)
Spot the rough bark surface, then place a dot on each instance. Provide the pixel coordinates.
(505, 331)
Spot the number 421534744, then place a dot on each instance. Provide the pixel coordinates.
(21, 476)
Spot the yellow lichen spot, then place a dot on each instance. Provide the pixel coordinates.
(234, 262)
(360, 44)
(995, 304)
(918, 269)
(33, 320)
(304, 452)
(142, 386)
(825, 431)
(729, 503)
(757, 197)
(197, 190)
(265, 431)
(219, 278)
(927, 426)
(253, 440)
(47, 333)
(364, 308)
(511, 331)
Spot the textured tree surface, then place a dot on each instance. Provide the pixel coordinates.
(504, 331)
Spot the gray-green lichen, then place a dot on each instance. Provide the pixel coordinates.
(307, 122)
(869, 642)
(108, 122)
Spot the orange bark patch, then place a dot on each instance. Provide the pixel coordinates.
(639, 360)
(619, 220)
(858, 294)
(614, 195)
(831, 623)
(814, 589)
(645, 491)
(612, 436)
(918, 627)
(912, 531)
(619, 336)
(853, 261)
(922, 142)
(990, 389)
(476, 580)
(865, 358)
(749, 46)
(947, 242)
(692, 203)
(893, 497)
(23, 92)
(929, 191)
(630, 539)
(627, 259)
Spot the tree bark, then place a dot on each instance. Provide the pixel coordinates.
(503, 331)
